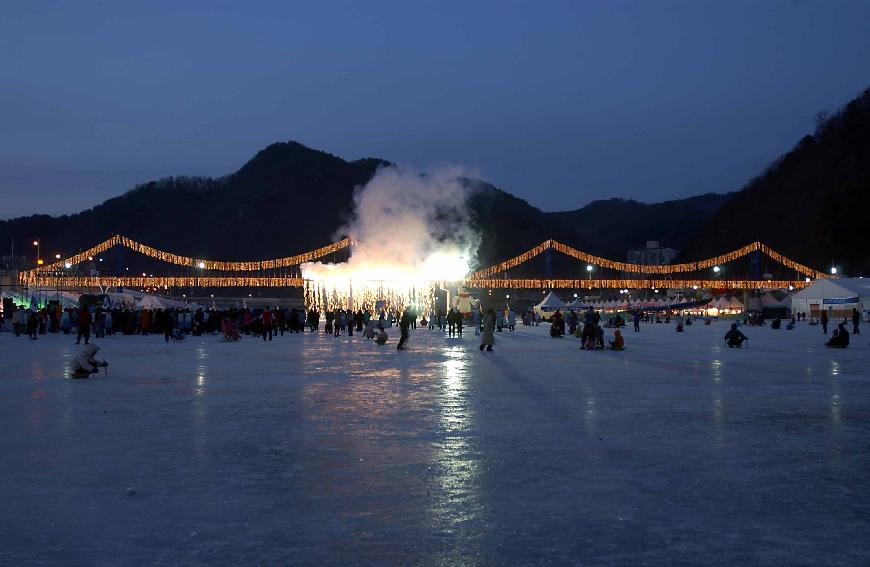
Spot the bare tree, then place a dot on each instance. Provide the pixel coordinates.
(821, 122)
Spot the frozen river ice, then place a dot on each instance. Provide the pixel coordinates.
(320, 450)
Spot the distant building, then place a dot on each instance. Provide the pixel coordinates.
(653, 254)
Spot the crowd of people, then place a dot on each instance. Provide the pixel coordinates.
(232, 324)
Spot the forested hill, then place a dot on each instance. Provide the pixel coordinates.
(813, 204)
(290, 198)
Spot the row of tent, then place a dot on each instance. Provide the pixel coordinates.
(731, 304)
(552, 302)
(40, 297)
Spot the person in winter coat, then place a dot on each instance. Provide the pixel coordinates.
(404, 325)
(511, 320)
(32, 324)
(618, 342)
(86, 363)
(65, 324)
(475, 319)
(381, 335)
(499, 320)
(487, 338)
(84, 325)
(266, 316)
(825, 322)
(734, 338)
(856, 321)
(840, 339)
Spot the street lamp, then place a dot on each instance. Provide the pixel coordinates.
(717, 269)
(67, 265)
(57, 256)
(589, 268)
(201, 265)
(833, 271)
(38, 255)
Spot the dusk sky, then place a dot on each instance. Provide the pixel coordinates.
(559, 103)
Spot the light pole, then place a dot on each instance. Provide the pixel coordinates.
(589, 268)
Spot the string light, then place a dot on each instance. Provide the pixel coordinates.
(621, 284)
(177, 259)
(47, 274)
(167, 281)
(656, 269)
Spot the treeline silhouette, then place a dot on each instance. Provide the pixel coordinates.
(812, 204)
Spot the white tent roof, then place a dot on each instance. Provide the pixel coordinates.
(552, 301)
(735, 303)
(768, 300)
(149, 302)
(824, 288)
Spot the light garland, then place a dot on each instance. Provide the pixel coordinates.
(658, 269)
(177, 259)
(506, 283)
(52, 274)
(324, 298)
(156, 281)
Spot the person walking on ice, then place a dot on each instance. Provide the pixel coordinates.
(487, 338)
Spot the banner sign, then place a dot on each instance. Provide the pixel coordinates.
(839, 300)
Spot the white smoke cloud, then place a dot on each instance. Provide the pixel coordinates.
(409, 228)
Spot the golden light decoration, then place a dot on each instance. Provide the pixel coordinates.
(52, 274)
(657, 269)
(163, 281)
(539, 283)
(225, 265)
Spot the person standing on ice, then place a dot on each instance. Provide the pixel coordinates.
(636, 318)
(487, 337)
(825, 322)
(511, 320)
(856, 320)
(266, 316)
(475, 320)
(404, 325)
(84, 325)
(499, 320)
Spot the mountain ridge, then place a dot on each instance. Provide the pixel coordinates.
(290, 198)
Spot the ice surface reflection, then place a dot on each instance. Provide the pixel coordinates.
(333, 451)
(456, 498)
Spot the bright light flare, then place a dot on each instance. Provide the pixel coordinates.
(366, 284)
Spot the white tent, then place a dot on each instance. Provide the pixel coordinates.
(837, 296)
(119, 300)
(770, 301)
(149, 302)
(549, 305)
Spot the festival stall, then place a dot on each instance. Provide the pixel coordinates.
(837, 296)
(549, 305)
